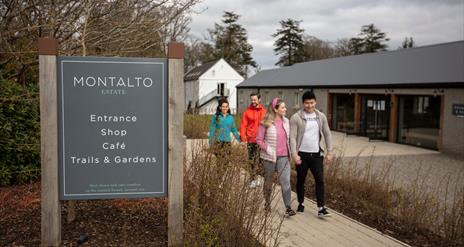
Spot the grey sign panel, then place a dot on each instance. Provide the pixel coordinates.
(458, 110)
(112, 127)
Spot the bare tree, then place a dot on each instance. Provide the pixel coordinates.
(342, 47)
(87, 27)
(198, 52)
(316, 49)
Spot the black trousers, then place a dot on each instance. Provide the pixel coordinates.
(253, 159)
(315, 163)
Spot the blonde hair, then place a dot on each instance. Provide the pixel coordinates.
(271, 114)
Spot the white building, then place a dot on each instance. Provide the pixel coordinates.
(205, 84)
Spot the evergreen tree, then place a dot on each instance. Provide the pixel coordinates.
(231, 43)
(408, 42)
(289, 44)
(371, 39)
(356, 46)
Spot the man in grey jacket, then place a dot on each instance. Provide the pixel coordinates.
(308, 129)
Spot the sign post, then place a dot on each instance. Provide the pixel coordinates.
(105, 132)
(176, 143)
(50, 204)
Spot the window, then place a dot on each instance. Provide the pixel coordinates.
(343, 112)
(419, 120)
(220, 88)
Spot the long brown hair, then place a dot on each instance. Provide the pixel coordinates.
(218, 109)
(271, 114)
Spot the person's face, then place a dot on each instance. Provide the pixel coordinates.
(281, 110)
(254, 100)
(224, 108)
(309, 105)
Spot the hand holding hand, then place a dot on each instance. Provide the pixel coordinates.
(297, 159)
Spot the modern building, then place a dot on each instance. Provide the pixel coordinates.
(206, 83)
(412, 96)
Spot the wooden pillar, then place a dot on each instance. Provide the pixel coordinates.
(329, 109)
(50, 204)
(176, 143)
(357, 113)
(393, 130)
(442, 118)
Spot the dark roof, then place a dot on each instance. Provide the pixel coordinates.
(196, 72)
(434, 64)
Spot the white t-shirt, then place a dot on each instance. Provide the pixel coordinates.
(310, 142)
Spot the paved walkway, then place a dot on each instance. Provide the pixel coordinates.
(307, 229)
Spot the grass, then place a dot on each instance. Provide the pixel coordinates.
(197, 126)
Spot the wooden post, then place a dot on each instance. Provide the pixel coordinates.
(393, 132)
(330, 109)
(357, 113)
(50, 203)
(442, 119)
(176, 145)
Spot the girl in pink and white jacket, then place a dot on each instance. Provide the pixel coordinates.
(273, 140)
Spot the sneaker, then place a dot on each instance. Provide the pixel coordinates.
(323, 212)
(300, 208)
(289, 212)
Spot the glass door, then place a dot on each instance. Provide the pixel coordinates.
(343, 112)
(419, 120)
(375, 116)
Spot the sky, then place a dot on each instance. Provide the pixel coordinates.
(427, 21)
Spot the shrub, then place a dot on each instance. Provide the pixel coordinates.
(19, 132)
(220, 207)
